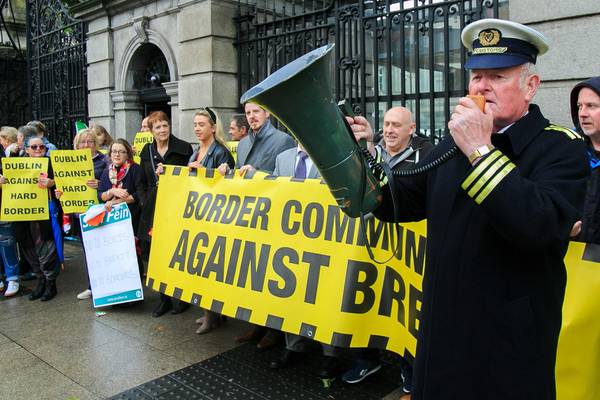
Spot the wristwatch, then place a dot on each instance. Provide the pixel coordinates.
(480, 151)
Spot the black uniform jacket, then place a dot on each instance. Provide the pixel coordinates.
(178, 153)
(494, 280)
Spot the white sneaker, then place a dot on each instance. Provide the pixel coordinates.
(12, 289)
(86, 294)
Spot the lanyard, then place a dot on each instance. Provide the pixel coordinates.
(593, 159)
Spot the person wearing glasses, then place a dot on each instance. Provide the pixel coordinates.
(36, 238)
(165, 149)
(211, 153)
(120, 183)
(87, 139)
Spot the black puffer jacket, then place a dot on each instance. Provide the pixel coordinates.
(590, 229)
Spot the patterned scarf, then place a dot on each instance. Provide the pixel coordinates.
(116, 177)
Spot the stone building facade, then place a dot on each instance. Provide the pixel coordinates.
(186, 45)
(573, 29)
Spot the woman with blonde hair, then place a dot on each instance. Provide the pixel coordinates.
(8, 140)
(211, 151)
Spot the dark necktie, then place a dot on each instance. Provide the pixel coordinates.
(300, 171)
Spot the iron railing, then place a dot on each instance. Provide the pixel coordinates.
(388, 52)
(57, 69)
(13, 67)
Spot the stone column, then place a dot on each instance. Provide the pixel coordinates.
(207, 61)
(127, 109)
(172, 89)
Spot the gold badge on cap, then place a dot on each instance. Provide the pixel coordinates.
(489, 37)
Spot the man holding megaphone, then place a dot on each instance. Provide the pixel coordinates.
(499, 216)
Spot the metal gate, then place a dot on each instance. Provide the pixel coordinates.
(388, 52)
(13, 66)
(57, 69)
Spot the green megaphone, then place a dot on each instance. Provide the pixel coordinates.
(300, 95)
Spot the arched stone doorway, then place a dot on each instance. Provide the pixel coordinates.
(147, 80)
(147, 73)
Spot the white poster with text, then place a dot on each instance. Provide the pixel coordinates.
(111, 256)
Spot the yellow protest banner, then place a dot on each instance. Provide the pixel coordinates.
(140, 140)
(72, 169)
(578, 357)
(22, 198)
(232, 146)
(280, 253)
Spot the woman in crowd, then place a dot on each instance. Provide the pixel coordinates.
(120, 182)
(166, 149)
(9, 267)
(36, 238)
(211, 153)
(104, 138)
(87, 139)
(42, 132)
(8, 140)
(212, 150)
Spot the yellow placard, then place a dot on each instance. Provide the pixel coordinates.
(280, 253)
(140, 140)
(72, 170)
(22, 198)
(232, 146)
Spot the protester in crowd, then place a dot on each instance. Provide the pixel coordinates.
(42, 133)
(88, 139)
(144, 126)
(212, 150)
(36, 238)
(104, 138)
(120, 182)
(166, 149)
(499, 216)
(585, 111)
(295, 162)
(257, 151)
(211, 153)
(238, 127)
(401, 149)
(8, 140)
(9, 267)
(24, 131)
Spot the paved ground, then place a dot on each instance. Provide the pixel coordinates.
(62, 350)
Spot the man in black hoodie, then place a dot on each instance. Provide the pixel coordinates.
(585, 111)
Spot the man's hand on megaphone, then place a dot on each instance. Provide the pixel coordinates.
(362, 130)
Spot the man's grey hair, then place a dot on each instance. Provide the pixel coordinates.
(527, 70)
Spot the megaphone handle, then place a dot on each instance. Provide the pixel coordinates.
(347, 111)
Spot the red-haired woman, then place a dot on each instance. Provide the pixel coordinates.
(166, 149)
